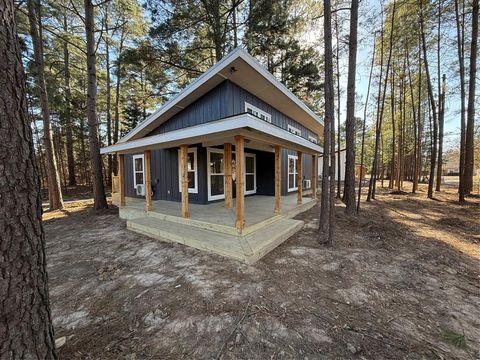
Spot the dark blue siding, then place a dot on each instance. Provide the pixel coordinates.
(227, 99)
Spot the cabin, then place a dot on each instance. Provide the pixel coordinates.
(224, 166)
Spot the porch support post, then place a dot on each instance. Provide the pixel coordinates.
(121, 178)
(147, 155)
(314, 176)
(227, 157)
(184, 179)
(299, 178)
(278, 179)
(240, 179)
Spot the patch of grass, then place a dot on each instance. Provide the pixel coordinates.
(455, 339)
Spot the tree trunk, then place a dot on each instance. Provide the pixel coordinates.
(100, 201)
(109, 97)
(72, 181)
(433, 156)
(53, 178)
(337, 61)
(26, 330)
(415, 126)
(349, 192)
(372, 185)
(441, 116)
(392, 105)
(362, 152)
(116, 122)
(328, 175)
(469, 133)
(461, 61)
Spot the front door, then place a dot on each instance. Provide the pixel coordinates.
(216, 175)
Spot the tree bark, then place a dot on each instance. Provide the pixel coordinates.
(349, 192)
(327, 215)
(461, 61)
(469, 133)
(337, 61)
(116, 121)
(72, 181)
(433, 155)
(100, 201)
(109, 96)
(362, 152)
(26, 330)
(441, 117)
(53, 178)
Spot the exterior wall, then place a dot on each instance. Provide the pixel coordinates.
(165, 174)
(306, 169)
(227, 99)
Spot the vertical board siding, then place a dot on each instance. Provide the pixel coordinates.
(226, 99)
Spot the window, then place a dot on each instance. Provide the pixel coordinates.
(294, 130)
(138, 172)
(255, 111)
(216, 176)
(250, 178)
(312, 139)
(191, 171)
(292, 172)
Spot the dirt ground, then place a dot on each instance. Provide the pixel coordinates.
(402, 281)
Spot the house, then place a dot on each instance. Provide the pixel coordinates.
(224, 165)
(359, 170)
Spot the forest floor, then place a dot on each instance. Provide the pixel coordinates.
(402, 281)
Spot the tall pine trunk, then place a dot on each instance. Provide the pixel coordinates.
(26, 329)
(53, 177)
(100, 201)
(469, 159)
(461, 61)
(72, 181)
(433, 155)
(349, 192)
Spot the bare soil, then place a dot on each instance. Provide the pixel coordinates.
(402, 281)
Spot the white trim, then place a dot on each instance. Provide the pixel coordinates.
(209, 185)
(198, 132)
(214, 71)
(259, 112)
(193, 190)
(295, 157)
(254, 191)
(294, 130)
(140, 156)
(312, 139)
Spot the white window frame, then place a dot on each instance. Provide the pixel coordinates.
(140, 156)
(294, 130)
(258, 112)
(295, 174)
(254, 191)
(193, 190)
(222, 196)
(313, 139)
(209, 182)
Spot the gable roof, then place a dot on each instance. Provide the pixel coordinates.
(251, 76)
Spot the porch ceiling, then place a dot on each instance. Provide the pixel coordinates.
(257, 132)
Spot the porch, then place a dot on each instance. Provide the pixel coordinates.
(212, 227)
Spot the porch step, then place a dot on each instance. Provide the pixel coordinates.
(246, 248)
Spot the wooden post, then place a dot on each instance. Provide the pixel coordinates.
(240, 179)
(314, 176)
(184, 179)
(227, 160)
(278, 179)
(121, 178)
(299, 178)
(147, 155)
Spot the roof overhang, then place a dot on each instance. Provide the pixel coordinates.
(250, 75)
(247, 125)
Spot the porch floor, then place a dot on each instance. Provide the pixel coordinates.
(258, 208)
(211, 227)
